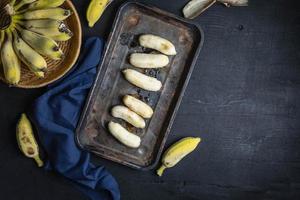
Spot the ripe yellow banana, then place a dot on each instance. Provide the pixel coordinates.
(49, 13)
(26, 140)
(177, 152)
(43, 45)
(61, 33)
(55, 29)
(10, 62)
(34, 61)
(95, 10)
(41, 23)
(45, 4)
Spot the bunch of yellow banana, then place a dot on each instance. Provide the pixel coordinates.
(36, 27)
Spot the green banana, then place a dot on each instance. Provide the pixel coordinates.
(43, 45)
(23, 3)
(41, 23)
(10, 62)
(34, 61)
(177, 152)
(2, 35)
(45, 4)
(26, 140)
(50, 13)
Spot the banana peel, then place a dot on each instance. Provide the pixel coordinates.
(95, 10)
(177, 152)
(26, 140)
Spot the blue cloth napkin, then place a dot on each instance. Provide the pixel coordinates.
(55, 115)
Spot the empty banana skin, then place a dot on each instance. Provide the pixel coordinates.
(124, 136)
(142, 81)
(138, 106)
(124, 113)
(158, 43)
(144, 60)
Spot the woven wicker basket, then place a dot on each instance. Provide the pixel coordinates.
(56, 69)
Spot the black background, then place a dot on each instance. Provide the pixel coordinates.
(243, 100)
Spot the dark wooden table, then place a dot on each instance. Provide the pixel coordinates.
(243, 100)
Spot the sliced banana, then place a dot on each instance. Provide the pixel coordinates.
(138, 106)
(142, 81)
(158, 43)
(144, 60)
(124, 136)
(129, 116)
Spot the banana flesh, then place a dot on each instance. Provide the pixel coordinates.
(95, 10)
(124, 136)
(129, 116)
(49, 13)
(34, 61)
(158, 43)
(43, 45)
(26, 140)
(144, 60)
(10, 62)
(177, 152)
(141, 80)
(39, 4)
(138, 106)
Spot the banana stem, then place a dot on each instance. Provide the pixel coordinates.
(38, 161)
(19, 5)
(12, 2)
(161, 170)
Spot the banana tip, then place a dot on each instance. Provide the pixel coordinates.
(91, 24)
(160, 170)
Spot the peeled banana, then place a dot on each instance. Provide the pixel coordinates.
(138, 106)
(158, 43)
(43, 45)
(144, 60)
(49, 13)
(124, 113)
(95, 10)
(10, 62)
(124, 136)
(141, 80)
(39, 4)
(34, 61)
(26, 140)
(177, 152)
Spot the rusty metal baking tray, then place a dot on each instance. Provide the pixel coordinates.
(110, 86)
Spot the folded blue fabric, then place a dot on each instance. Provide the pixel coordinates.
(55, 115)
